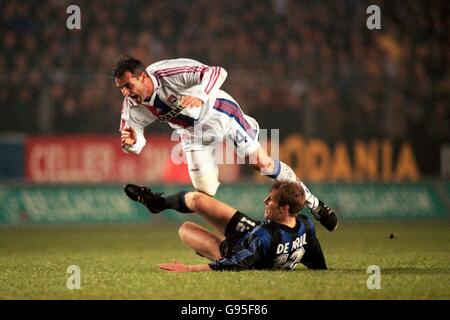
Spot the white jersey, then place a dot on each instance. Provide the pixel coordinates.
(173, 79)
(220, 118)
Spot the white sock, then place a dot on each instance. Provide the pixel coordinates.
(311, 201)
(282, 172)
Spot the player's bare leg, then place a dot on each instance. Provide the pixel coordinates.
(215, 212)
(201, 240)
(278, 170)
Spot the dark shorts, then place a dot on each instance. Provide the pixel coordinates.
(237, 227)
(240, 224)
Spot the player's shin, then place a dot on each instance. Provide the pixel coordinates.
(155, 202)
(283, 172)
(177, 202)
(311, 201)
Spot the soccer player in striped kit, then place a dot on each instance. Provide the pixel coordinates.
(186, 94)
(282, 240)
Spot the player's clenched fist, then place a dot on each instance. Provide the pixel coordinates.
(128, 136)
(189, 101)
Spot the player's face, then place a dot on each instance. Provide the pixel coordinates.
(137, 88)
(272, 210)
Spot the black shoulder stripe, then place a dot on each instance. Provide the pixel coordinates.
(305, 221)
(275, 233)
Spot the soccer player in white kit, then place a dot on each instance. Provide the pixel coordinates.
(186, 94)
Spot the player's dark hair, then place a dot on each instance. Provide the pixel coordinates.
(291, 194)
(127, 63)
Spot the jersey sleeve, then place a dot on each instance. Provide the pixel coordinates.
(190, 76)
(140, 142)
(136, 117)
(247, 258)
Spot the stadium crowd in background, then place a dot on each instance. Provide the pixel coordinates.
(310, 67)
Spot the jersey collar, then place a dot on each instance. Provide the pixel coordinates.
(156, 85)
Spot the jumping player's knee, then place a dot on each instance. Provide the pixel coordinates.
(261, 161)
(206, 184)
(265, 164)
(280, 171)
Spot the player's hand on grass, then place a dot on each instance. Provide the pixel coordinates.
(128, 136)
(175, 267)
(189, 101)
(181, 267)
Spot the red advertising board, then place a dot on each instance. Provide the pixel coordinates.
(99, 159)
(92, 159)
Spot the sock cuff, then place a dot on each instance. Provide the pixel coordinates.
(182, 202)
(177, 202)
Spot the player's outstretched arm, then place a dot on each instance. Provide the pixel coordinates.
(181, 267)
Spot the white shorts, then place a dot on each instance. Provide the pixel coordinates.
(224, 122)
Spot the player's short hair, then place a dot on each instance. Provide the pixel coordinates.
(127, 63)
(291, 194)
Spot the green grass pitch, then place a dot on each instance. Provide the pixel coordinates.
(120, 262)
